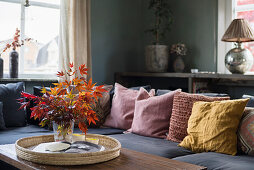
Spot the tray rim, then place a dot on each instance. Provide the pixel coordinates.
(65, 156)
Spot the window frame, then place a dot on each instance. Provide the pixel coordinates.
(227, 11)
(22, 35)
(225, 16)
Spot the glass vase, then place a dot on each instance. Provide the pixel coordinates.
(63, 133)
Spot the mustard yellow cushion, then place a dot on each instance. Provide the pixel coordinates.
(213, 125)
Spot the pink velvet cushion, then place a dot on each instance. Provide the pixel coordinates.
(122, 110)
(152, 114)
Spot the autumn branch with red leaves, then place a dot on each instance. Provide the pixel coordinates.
(68, 100)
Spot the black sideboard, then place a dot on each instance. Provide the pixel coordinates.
(233, 84)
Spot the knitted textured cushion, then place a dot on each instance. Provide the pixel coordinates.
(182, 107)
(246, 133)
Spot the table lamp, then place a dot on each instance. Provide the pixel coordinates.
(238, 60)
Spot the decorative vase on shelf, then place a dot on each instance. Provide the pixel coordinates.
(156, 58)
(178, 64)
(14, 64)
(1, 67)
(63, 131)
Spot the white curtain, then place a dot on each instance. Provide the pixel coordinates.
(74, 37)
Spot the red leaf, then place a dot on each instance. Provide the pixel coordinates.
(71, 65)
(83, 69)
(60, 74)
(27, 95)
(82, 126)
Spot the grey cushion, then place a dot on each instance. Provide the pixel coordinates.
(215, 94)
(2, 123)
(251, 101)
(9, 94)
(12, 134)
(213, 160)
(156, 146)
(160, 92)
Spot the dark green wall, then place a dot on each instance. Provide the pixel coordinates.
(118, 37)
(195, 23)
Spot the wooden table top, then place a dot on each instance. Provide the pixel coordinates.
(128, 159)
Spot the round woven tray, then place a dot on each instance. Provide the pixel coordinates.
(22, 149)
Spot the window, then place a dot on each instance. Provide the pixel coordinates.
(227, 11)
(245, 9)
(39, 21)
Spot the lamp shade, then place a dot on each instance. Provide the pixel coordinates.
(239, 31)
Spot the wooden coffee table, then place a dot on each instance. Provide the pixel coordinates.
(128, 159)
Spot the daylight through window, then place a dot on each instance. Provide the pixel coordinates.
(245, 9)
(39, 21)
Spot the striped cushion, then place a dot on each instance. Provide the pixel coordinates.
(246, 132)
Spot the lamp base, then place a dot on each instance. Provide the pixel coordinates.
(238, 60)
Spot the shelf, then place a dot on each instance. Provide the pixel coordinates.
(188, 75)
(27, 79)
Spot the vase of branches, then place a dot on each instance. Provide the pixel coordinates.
(157, 53)
(13, 56)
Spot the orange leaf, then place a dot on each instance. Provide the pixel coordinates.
(83, 69)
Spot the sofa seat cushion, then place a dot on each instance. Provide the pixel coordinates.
(213, 160)
(10, 135)
(155, 146)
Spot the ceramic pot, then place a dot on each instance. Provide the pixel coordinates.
(156, 58)
(14, 64)
(178, 65)
(62, 133)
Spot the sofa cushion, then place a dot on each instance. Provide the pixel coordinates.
(246, 133)
(122, 109)
(215, 94)
(9, 94)
(10, 135)
(37, 92)
(152, 114)
(102, 107)
(251, 101)
(112, 91)
(212, 126)
(160, 92)
(156, 146)
(213, 160)
(182, 107)
(2, 123)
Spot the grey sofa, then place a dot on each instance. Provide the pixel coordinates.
(156, 146)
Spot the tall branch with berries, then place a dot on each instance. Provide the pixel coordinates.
(16, 42)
